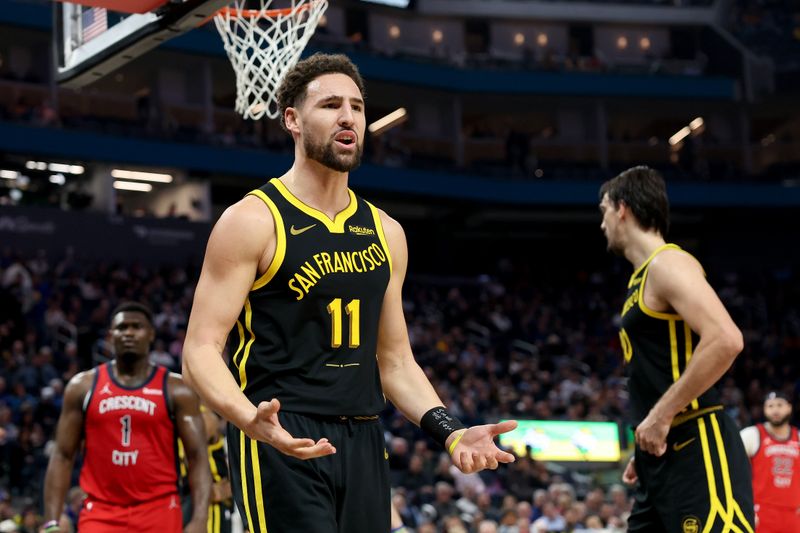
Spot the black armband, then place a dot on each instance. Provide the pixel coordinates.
(438, 423)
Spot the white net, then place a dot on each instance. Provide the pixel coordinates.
(263, 44)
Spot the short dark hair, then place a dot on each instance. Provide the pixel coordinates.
(292, 90)
(643, 190)
(135, 307)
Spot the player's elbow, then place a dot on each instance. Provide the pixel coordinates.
(186, 369)
(733, 342)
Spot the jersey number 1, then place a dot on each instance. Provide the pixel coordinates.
(126, 430)
(353, 310)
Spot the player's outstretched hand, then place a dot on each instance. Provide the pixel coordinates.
(476, 450)
(266, 427)
(651, 434)
(629, 476)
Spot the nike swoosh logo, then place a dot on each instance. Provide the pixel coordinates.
(298, 231)
(678, 447)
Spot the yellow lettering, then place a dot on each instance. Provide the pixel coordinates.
(337, 263)
(305, 283)
(318, 260)
(300, 293)
(357, 255)
(368, 259)
(326, 258)
(627, 347)
(309, 271)
(378, 251)
(347, 262)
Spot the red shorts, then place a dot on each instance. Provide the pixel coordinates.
(773, 519)
(160, 515)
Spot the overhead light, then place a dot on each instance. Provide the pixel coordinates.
(9, 174)
(55, 167)
(58, 167)
(58, 179)
(141, 176)
(395, 118)
(133, 186)
(36, 165)
(680, 135)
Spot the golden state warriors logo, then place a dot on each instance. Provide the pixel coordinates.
(691, 525)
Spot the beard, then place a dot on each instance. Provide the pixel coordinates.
(323, 153)
(776, 422)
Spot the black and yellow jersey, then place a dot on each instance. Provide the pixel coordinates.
(217, 461)
(657, 347)
(307, 334)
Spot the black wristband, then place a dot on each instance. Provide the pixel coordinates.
(438, 423)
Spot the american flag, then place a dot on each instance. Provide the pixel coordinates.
(94, 21)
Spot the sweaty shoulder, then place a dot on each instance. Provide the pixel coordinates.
(79, 386)
(392, 229)
(670, 262)
(245, 232)
(248, 214)
(177, 387)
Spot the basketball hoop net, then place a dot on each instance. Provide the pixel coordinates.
(263, 44)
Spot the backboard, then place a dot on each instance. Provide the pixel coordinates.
(96, 37)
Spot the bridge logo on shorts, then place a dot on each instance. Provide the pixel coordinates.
(691, 524)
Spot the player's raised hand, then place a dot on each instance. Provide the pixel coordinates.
(266, 427)
(475, 449)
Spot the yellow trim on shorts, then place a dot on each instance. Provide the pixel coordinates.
(262, 521)
(243, 475)
(280, 244)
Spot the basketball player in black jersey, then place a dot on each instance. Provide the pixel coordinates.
(678, 340)
(306, 277)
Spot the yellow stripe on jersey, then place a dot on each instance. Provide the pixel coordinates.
(240, 329)
(673, 349)
(687, 331)
(381, 235)
(280, 243)
(334, 226)
(212, 463)
(651, 312)
(248, 322)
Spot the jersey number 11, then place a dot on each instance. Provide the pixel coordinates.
(353, 310)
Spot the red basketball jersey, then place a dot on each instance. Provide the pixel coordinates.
(776, 470)
(130, 439)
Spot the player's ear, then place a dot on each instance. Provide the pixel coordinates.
(292, 120)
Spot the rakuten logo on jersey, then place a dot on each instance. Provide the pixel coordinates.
(124, 458)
